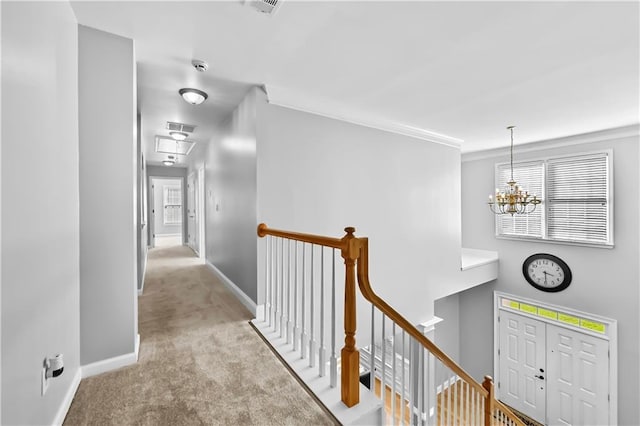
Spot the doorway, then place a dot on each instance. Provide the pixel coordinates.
(166, 212)
(554, 364)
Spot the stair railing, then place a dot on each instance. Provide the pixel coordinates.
(418, 383)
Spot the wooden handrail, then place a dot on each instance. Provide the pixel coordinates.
(264, 230)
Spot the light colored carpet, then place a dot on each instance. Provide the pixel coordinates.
(200, 362)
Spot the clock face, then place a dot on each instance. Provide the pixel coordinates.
(546, 272)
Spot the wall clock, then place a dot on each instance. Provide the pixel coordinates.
(546, 272)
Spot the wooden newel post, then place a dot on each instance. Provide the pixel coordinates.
(350, 357)
(488, 404)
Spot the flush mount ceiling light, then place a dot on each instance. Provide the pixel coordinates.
(193, 96)
(514, 199)
(179, 136)
(170, 161)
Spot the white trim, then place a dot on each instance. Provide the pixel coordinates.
(68, 398)
(169, 235)
(144, 273)
(430, 325)
(584, 138)
(136, 349)
(108, 364)
(611, 335)
(240, 295)
(326, 108)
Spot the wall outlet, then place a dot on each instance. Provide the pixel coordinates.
(44, 381)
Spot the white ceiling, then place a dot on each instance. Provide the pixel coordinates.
(463, 69)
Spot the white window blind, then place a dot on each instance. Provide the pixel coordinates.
(578, 200)
(575, 192)
(529, 177)
(172, 205)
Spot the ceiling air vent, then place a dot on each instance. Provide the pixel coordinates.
(167, 145)
(180, 127)
(268, 7)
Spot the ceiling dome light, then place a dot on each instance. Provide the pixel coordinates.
(179, 136)
(193, 96)
(170, 161)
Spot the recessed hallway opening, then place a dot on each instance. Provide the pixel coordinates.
(200, 361)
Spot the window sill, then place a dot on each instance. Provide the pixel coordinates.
(561, 242)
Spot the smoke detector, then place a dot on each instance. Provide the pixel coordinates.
(268, 7)
(200, 66)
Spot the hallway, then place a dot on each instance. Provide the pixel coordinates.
(200, 361)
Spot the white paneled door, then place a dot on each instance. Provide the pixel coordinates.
(553, 374)
(522, 364)
(578, 389)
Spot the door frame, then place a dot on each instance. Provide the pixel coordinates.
(507, 302)
(201, 213)
(150, 207)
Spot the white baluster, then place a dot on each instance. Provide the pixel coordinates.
(393, 374)
(402, 400)
(271, 281)
(290, 306)
(372, 351)
(296, 308)
(304, 339)
(421, 384)
(312, 345)
(412, 386)
(384, 364)
(323, 351)
(266, 278)
(333, 360)
(281, 285)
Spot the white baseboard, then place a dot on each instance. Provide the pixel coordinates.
(242, 297)
(68, 398)
(137, 347)
(144, 274)
(109, 364)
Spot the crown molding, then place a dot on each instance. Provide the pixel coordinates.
(293, 100)
(579, 139)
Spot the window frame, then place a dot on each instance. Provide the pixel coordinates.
(165, 204)
(545, 184)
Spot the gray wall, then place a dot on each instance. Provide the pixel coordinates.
(230, 183)
(318, 175)
(40, 269)
(166, 171)
(107, 116)
(158, 185)
(447, 335)
(605, 281)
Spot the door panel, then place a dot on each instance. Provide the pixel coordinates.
(522, 358)
(578, 392)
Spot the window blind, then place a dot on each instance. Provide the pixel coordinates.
(529, 177)
(172, 205)
(577, 197)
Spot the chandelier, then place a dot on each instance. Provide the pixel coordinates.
(514, 199)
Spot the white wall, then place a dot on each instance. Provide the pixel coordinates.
(107, 118)
(318, 175)
(40, 267)
(605, 281)
(230, 197)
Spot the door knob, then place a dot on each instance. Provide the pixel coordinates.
(541, 377)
